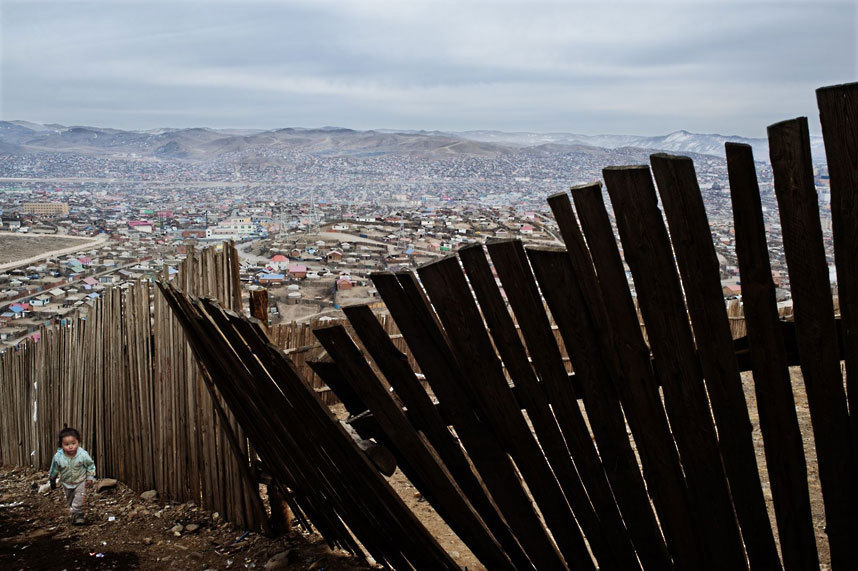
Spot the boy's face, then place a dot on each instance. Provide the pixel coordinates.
(70, 445)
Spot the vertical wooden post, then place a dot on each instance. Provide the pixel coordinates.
(789, 147)
(838, 113)
(778, 423)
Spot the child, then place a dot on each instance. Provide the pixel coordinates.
(76, 471)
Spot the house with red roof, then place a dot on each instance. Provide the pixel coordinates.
(297, 271)
(279, 262)
(344, 284)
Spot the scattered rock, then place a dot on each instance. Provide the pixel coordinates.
(149, 496)
(106, 483)
(147, 540)
(191, 527)
(282, 560)
(177, 529)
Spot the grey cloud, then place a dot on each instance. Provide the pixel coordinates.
(630, 68)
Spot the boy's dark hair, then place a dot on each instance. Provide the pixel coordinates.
(67, 432)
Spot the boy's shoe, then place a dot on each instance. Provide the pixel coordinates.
(78, 519)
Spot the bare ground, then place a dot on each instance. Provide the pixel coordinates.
(16, 248)
(35, 533)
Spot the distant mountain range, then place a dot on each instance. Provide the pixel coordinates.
(20, 137)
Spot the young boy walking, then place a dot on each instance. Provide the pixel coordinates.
(76, 471)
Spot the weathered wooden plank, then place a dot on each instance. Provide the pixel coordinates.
(225, 364)
(778, 422)
(608, 539)
(438, 486)
(838, 114)
(333, 376)
(635, 383)
(789, 148)
(485, 382)
(701, 280)
(359, 481)
(289, 418)
(557, 280)
(423, 414)
(420, 327)
(648, 253)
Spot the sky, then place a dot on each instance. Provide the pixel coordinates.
(632, 67)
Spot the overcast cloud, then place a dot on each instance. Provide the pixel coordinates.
(628, 67)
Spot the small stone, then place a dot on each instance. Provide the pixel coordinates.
(215, 515)
(149, 496)
(177, 529)
(282, 560)
(147, 540)
(191, 527)
(106, 483)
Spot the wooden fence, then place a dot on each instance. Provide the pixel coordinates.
(657, 470)
(124, 376)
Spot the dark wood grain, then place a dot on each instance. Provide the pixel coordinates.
(778, 422)
(363, 493)
(484, 379)
(635, 383)
(333, 376)
(648, 253)
(603, 411)
(838, 114)
(438, 485)
(701, 281)
(813, 310)
(420, 327)
(604, 536)
(423, 414)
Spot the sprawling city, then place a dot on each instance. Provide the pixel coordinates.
(311, 221)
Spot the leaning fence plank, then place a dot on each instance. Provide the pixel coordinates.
(484, 379)
(649, 256)
(701, 281)
(419, 325)
(425, 417)
(361, 488)
(778, 422)
(838, 113)
(438, 486)
(557, 277)
(607, 537)
(789, 147)
(635, 383)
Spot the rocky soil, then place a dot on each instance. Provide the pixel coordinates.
(125, 531)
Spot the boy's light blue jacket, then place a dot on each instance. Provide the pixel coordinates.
(72, 470)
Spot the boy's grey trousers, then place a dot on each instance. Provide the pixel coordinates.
(74, 497)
